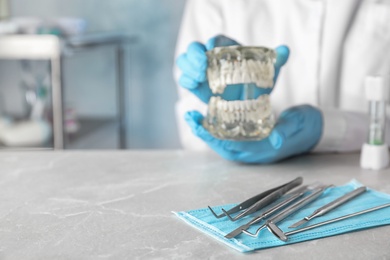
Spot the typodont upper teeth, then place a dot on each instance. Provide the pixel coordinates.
(240, 72)
(239, 110)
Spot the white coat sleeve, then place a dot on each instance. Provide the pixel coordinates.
(345, 131)
(366, 52)
(202, 20)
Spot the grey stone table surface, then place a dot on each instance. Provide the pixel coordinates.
(117, 204)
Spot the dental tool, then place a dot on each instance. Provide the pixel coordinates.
(375, 153)
(330, 206)
(294, 195)
(288, 211)
(259, 201)
(284, 236)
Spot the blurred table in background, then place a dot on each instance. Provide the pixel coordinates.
(54, 49)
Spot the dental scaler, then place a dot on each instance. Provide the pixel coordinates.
(375, 153)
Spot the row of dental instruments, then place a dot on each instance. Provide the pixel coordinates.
(284, 203)
(284, 236)
(298, 193)
(259, 201)
(330, 206)
(288, 211)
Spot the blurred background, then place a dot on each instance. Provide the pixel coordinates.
(114, 67)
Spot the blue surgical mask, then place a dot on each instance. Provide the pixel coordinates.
(205, 221)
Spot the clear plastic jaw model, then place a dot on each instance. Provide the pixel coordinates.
(243, 112)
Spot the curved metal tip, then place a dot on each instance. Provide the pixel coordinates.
(227, 214)
(215, 215)
(246, 232)
(256, 234)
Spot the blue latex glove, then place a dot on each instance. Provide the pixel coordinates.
(193, 65)
(297, 131)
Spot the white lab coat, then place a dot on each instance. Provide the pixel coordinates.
(333, 45)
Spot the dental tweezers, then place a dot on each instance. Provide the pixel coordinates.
(259, 201)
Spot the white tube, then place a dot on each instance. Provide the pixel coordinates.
(375, 153)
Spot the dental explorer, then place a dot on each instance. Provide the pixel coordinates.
(284, 236)
(330, 206)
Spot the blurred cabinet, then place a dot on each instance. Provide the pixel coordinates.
(54, 49)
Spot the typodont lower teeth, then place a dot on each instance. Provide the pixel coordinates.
(240, 72)
(229, 112)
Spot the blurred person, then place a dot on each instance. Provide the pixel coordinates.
(330, 45)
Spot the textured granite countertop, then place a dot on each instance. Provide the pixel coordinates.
(81, 205)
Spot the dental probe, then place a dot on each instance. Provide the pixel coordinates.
(284, 236)
(298, 193)
(288, 211)
(330, 206)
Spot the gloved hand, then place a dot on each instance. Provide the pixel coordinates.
(297, 131)
(193, 65)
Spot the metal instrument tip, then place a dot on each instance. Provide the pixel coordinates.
(299, 223)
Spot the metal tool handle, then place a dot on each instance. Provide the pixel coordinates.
(282, 204)
(261, 200)
(268, 212)
(337, 219)
(296, 206)
(334, 204)
(276, 194)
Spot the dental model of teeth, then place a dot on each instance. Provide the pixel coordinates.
(240, 72)
(239, 119)
(249, 119)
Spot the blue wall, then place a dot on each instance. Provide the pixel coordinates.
(151, 98)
